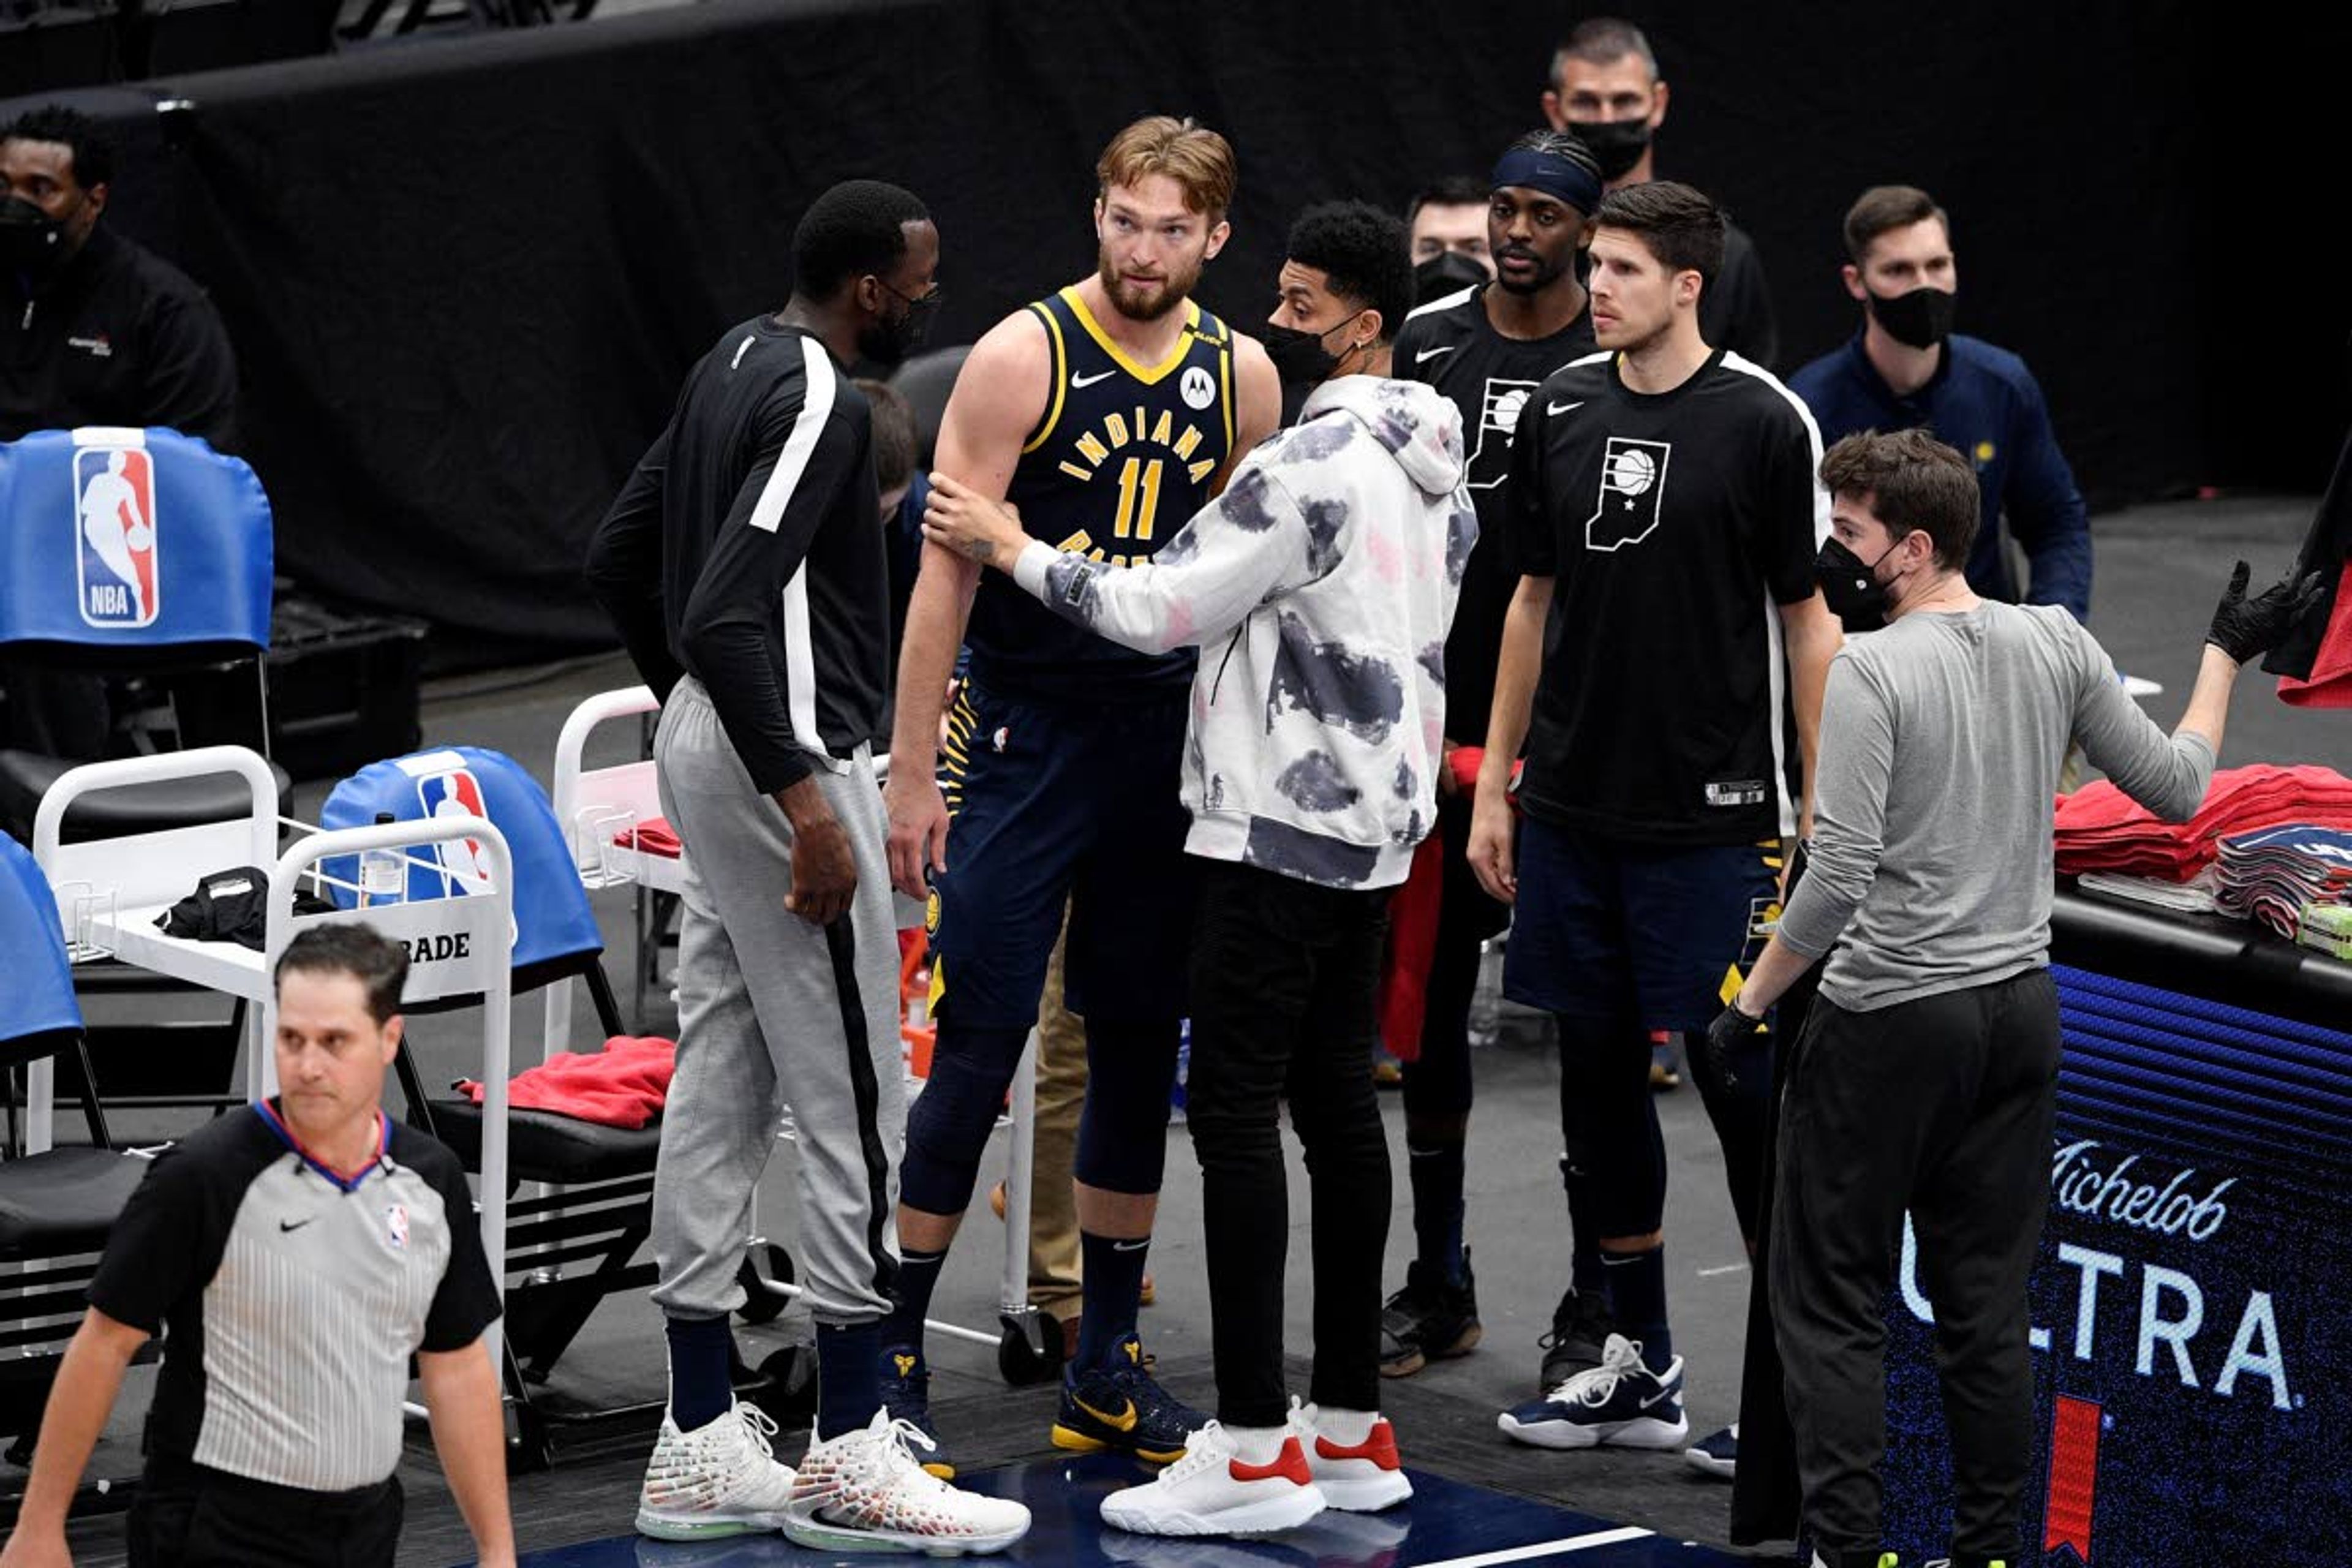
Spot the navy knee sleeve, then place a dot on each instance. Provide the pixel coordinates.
(948, 1128)
(1123, 1131)
(1612, 1124)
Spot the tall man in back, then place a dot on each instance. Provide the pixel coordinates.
(1108, 413)
(1485, 348)
(1605, 87)
(1664, 515)
(743, 566)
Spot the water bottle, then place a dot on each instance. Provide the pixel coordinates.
(1487, 996)
(381, 872)
(1183, 1070)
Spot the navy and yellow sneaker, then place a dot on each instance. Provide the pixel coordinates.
(906, 1396)
(1119, 1406)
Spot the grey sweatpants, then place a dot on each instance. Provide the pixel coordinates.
(774, 1011)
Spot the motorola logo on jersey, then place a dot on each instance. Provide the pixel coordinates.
(1632, 484)
(115, 537)
(1500, 407)
(1197, 387)
(465, 862)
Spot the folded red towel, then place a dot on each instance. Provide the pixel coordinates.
(654, 835)
(623, 1085)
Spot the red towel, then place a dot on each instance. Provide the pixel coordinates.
(623, 1085)
(654, 835)
(1413, 910)
(2102, 829)
(2330, 683)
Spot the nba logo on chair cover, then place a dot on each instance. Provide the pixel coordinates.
(115, 533)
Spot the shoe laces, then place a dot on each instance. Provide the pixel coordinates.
(1208, 1445)
(1596, 1385)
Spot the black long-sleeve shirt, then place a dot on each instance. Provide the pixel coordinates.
(119, 336)
(746, 550)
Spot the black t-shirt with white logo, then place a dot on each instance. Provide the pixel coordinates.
(1672, 523)
(1450, 345)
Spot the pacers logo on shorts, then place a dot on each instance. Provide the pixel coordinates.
(1633, 483)
(465, 863)
(931, 914)
(114, 536)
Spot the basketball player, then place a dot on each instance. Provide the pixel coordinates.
(1665, 512)
(1485, 348)
(1108, 413)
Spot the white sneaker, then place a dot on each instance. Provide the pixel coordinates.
(1621, 1402)
(721, 1479)
(1364, 1479)
(1211, 1490)
(865, 1491)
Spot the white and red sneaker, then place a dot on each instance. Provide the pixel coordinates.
(1358, 1477)
(1213, 1490)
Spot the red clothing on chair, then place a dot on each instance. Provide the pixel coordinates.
(623, 1085)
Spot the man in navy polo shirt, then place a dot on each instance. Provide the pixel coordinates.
(1907, 369)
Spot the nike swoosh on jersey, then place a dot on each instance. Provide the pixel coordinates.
(1562, 407)
(1433, 354)
(1082, 382)
(1123, 1422)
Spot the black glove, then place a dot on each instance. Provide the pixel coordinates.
(2247, 629)
(1724, 1036)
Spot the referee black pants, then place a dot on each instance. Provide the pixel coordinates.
(1942, 1107)
(192, 1516)
(1285, 977)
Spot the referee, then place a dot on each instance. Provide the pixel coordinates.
(294, 1254)
(1926, 1077)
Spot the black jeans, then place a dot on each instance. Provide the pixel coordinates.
(1944, 1107)
(190, 1516)
(1283, 980)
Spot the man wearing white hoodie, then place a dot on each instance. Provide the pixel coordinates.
(1320, 587)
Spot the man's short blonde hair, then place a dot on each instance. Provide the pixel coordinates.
(1200, 161)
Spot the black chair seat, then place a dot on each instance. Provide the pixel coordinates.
(64, 1201)
(25, 776)
(542, 1146)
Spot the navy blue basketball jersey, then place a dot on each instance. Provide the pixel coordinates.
(1122, 460)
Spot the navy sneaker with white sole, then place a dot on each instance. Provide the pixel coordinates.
(1620, 1404)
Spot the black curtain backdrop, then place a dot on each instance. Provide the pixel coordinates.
(465, 276)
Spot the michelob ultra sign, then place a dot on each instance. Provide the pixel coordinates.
(2189, 1332)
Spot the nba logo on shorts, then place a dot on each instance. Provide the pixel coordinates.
(465, 864)
(114, 537)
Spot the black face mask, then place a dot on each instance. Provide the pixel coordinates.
(1921, 317)
(1300, 359)
(1851, 584)
(32, 243)
(1445, 273)
(890, 340)
(1616, 145)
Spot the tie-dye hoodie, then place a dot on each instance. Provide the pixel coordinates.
(1318, 588)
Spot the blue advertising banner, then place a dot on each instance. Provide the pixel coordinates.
(2187, 1307)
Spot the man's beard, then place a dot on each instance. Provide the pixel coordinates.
(1544, 279)
(1137, 305)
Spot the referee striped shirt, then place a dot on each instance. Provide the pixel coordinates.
(290, 1297)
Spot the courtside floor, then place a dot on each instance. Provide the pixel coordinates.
(1447, 1524)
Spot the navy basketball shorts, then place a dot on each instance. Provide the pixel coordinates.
(1059, 803)
(1604, 929)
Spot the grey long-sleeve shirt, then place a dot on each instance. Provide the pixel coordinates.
(1941, 743)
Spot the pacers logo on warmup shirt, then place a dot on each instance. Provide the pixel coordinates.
(1633, 483)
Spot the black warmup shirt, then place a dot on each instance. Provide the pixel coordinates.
(1450, 345)
(1672, 523)
(747, 552)
(291, 1296)
(119, 336)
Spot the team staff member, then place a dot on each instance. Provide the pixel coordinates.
(743, 564)
(94, 329)
(1605, 87)
(293, 1254)
(1926, 1077)
(1485, 348)
(1106, 412)
(1665, 513)
(1907, 369)
(1447, 221)
(1326, 573)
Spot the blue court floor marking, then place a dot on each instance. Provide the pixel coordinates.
(1447, 1524)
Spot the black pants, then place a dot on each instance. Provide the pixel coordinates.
(189, 1516)
(1284, 980)
(1944, 1107)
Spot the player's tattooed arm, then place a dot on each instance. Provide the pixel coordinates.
(959, 517)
